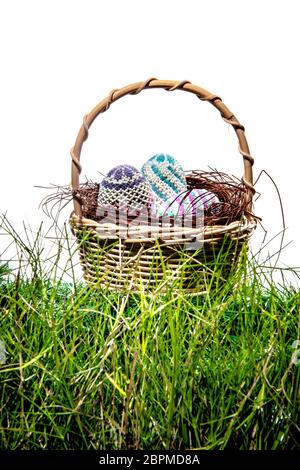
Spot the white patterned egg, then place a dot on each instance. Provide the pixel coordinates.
(193, 203)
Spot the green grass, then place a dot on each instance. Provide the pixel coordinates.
(99, 370)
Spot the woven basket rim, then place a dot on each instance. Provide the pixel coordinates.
(208, 233)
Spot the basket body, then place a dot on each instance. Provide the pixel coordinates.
(154, 263)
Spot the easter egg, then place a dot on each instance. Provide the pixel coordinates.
(190, 203)
(165, 176)
(125, 186)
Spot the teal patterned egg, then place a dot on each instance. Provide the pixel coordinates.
(165, 176)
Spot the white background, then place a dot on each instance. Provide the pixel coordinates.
(59, 58)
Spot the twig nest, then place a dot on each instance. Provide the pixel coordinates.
(195, 202)
(166, 178)
(125, 186)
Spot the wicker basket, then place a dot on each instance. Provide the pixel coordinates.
(148, 258)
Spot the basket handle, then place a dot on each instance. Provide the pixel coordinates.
(168, 85)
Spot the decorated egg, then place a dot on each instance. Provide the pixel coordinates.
(190, 203)
(125, 186)
(165, 176)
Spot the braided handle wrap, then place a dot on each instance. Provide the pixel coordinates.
(168, 85)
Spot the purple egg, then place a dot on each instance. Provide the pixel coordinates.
(125, 186)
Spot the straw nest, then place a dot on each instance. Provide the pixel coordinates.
(231, 191)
